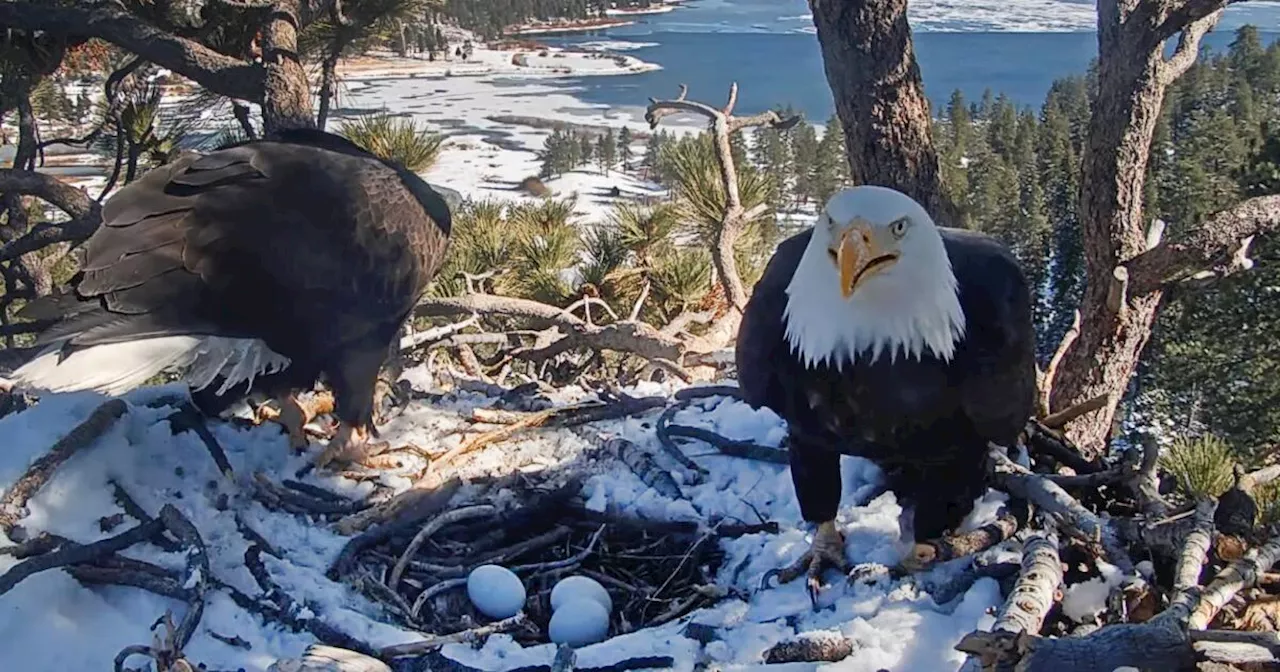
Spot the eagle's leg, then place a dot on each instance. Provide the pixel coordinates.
(295, 413)
(815, 473)
(354, 384)
(942, 500)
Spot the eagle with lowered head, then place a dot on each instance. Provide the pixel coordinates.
(263, 266)
(879, 334)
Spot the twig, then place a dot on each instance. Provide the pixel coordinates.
(664, 439)
(189, 418)
(433, 526)
(1051, 498)
(562, 416)
(197, 574)
(471, 635)
(428, 336)
(399, 514)
(1051, 371)
(283, 609)
(73, 553)
(132, 508)
(82, 436)
(1066, 415)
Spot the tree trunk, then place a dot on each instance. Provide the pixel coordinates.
(286, 99)
(871, 67)
(1116, 322)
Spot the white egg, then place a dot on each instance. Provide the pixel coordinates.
(496, 591)
(579, 622)
(573, 587)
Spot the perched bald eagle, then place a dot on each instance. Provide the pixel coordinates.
(879, 334)
(268, 264)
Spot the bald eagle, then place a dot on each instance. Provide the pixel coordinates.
(879, 334)
(265, 265)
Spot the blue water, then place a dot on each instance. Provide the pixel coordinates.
(767, 47)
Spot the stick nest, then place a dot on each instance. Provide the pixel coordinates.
(652, 575)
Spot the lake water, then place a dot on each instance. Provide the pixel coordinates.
(1017, 47)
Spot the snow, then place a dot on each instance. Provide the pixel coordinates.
(895, 624)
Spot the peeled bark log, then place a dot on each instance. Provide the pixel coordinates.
(871, 67)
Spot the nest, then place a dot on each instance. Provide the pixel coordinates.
(654, 572)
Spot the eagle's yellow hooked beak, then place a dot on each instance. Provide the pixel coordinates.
(862, 251)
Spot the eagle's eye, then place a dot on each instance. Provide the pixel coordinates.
(832, 253)
(899, 227)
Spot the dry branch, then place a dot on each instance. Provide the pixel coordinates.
(1237, 576)
(431, 528)
(214, 71)
(723, 124)
(470, 635)
(1066, 415)
(85, 213)
(825, 647)
(1207, 247)
(82, 436)
(635, 338)
(961, 545)
(1071, 515)
(71, 553)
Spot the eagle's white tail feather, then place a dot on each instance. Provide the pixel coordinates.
(116, 368)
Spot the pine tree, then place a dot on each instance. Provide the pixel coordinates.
(625, 151)
(607, 151)
(738, 148)
(826, 176)
(586, 150)
(804, 149)
(557, 154)
(653, 150)
(772, 154)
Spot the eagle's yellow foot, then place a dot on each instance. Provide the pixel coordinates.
(827, 550)
(920, 557)
(295, 413)
(351, 445)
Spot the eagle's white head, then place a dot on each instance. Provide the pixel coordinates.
(874, 278)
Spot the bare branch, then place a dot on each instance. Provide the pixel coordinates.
(216, 72)
(1188, 46)
(1051, 371)
(1061, 418)
(636, 338)
(723, 125)
(1210, 246)
(86, 214)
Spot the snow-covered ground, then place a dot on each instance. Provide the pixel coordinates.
(894, 623)
(51, 622)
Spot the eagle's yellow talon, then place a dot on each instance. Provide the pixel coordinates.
(350, 446)
(827, 550)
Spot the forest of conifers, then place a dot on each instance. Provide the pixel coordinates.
(1214, 363)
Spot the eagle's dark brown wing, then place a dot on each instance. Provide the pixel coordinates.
(304, 247)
